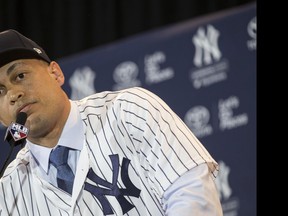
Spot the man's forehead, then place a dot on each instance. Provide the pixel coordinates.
(13, 65)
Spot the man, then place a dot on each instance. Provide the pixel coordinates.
(127, 152)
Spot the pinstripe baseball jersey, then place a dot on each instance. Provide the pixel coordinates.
(135, 148)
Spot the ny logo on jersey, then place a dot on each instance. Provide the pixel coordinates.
(112, 189)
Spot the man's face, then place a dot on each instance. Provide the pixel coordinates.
(34, 87)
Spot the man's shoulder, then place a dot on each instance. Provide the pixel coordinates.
(108, 96)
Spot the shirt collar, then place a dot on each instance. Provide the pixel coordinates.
(68, 138)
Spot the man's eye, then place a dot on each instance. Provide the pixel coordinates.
(20, 76)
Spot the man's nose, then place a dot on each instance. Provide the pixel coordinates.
(15, 95)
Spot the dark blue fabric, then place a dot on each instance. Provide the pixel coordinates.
(65, 176)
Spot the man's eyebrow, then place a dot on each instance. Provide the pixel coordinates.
(12, 67)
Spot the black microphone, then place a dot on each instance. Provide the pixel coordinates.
(16, 134)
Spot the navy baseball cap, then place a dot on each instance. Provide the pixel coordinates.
(14, 45)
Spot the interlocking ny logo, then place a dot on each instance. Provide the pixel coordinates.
(112, 189)
(206, 46)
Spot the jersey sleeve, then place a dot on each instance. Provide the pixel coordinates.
(165, 146)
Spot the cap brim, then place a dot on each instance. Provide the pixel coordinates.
(15, 54)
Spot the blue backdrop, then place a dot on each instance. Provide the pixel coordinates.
(205, 69)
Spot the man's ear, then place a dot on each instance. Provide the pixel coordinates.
(57, 73)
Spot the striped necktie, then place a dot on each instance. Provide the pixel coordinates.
(65, 177)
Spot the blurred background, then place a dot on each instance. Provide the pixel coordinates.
(65, 27)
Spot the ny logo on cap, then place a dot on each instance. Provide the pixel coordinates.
(37, 50)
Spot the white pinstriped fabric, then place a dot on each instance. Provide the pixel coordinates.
(132, 124)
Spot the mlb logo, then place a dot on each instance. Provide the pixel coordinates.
(18, 131)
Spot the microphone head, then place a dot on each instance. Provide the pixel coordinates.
(21, 118)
